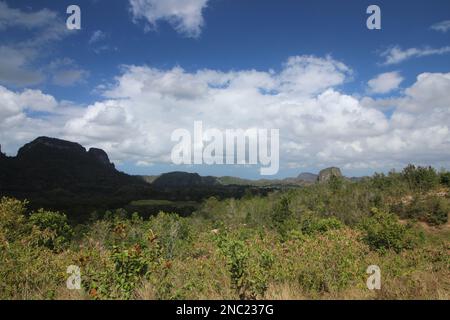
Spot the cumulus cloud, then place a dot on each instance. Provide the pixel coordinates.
(319, 125)
(385, 82)
(185, 16)
(395, 55)
(427, 94)
(14, 103)
(442, 26)
(15, 124)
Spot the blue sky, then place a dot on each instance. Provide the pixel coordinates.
(78, 77)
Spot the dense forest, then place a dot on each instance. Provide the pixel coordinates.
(310, 242)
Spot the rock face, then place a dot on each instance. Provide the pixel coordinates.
(100, 156)
(183, 180)
(326, 174)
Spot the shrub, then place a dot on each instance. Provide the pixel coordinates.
(432, 209)
(311, 224)
(331, 261)
(53, 231)
(173, 232)
(248, 269)
(12, 220)
(124, 269)
(282, 217)
(437, 209)
(445, 178)
(383, 231)
(335, 183)
(130, 266)
(420, 178)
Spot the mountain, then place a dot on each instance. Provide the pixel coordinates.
(308, 177)
(60, 174)
(183, 180)
(302, 179)
(326, 174)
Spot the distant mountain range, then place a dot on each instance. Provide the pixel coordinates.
(59, 174)
(183, 179)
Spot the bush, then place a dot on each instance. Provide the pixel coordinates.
(311, 224)
(383, 231)
(432, 209)
(421, 178)
(437, 209)
(283, 218)
(129, 268)
(248, 269)
(331, 261)
(53, 231)
(445, 179)
(12, 220)
(173, 232)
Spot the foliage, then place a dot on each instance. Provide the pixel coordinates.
(12, 219)
(309, 242)
(383, 231)
(420, 178)
(445, 178)
(311, 224)
(431, 209)
(248, 273)
(51, 229)
(332, 261)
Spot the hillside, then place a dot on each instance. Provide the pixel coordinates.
(57, 173)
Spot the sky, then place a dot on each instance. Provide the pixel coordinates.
(340, 94)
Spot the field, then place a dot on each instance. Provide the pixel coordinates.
(313, 242)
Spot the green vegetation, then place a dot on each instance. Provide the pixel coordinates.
(310, 242)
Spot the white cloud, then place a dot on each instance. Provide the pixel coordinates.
(147, 104)
(13, 103)
(427, 94)
(442, 26)
(185, 16)
(396, 54)
(319, 125)
(385, 82)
